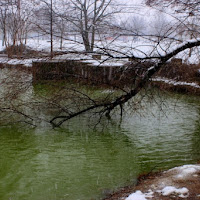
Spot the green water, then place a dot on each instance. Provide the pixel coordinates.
(80, 162)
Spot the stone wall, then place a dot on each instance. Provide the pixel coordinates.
(112, 75)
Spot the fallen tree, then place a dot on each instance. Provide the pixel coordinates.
(107, 107)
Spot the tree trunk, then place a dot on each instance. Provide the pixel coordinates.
(86, 41)
(93, 38)
(61, 40)
(4, 38)
(51, 29)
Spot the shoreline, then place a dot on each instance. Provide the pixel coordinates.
(177, 183)
(174, 76)
(161, 82)
(181, 89)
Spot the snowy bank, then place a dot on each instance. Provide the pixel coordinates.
(175, 83)
(177, 183)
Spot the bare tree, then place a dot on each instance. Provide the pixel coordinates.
(49, 22)
(15, 21)
(88, 16)
(3, 18)
(161, 53)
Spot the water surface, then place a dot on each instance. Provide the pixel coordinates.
(80, 162)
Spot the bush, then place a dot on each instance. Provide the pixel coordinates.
(180, 71)
(18, 51)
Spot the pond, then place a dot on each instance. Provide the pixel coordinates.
(80, 162)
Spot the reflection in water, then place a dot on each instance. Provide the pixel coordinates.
(196, 142)
(168, 133)
(78, 162)
(15, 95)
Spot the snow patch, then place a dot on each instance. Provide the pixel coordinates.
(168, 190)
(172, 82)
(138, 195)
(190, 170)
(186, 170)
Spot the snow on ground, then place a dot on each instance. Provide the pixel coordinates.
(173, 82)
(104, 61)
(117, 47)
(186, 170)
(138, 195)
(147, 20)
(178, 183)
(14, 61)
(168, 190)
(44, 47)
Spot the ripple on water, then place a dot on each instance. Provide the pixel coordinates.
(79, 163)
